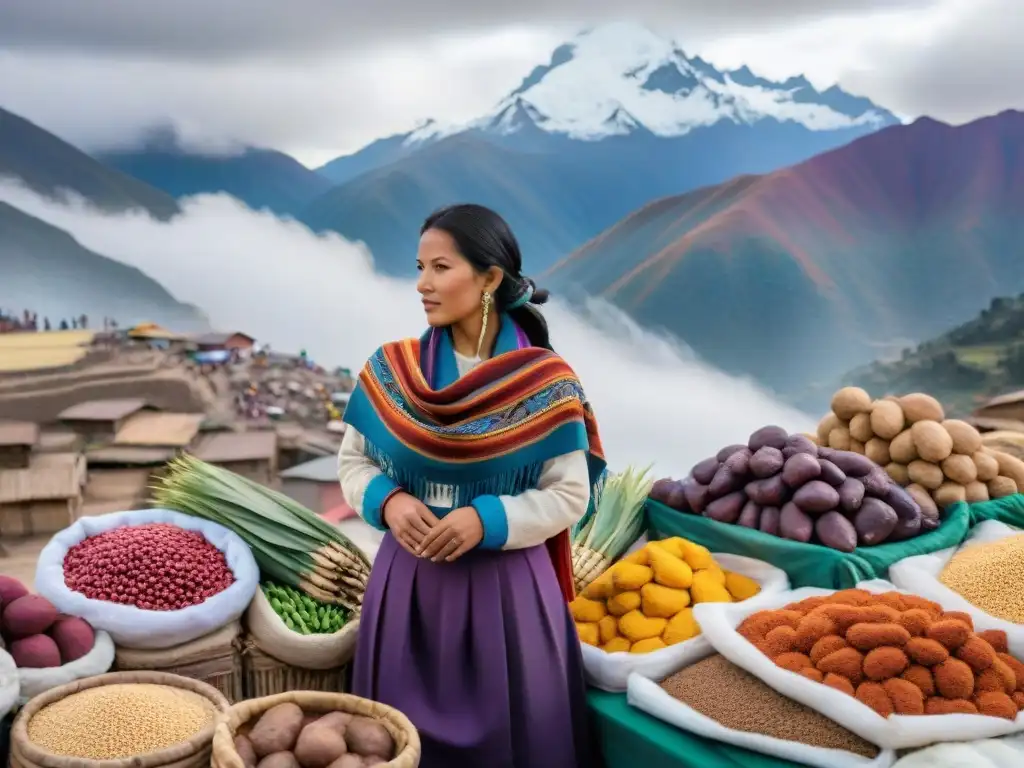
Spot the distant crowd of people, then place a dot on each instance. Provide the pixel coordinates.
(27, 320)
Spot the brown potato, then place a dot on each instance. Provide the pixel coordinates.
(849, 401)
(926, 474)
(988, 467)
(245, 751)
(365, 736)
(960, 469)
(839, 438)
(902, 448)
(348, 760)
(319, 745)
(856, 446)
(277, 729)
(932, 442)
(949, 493)
(1000, 487)
(279, 760)
(918, 406)
(371, 760)
(1011, 467)
(336, 720)
(966, 439)
(976, 491)
(898, 472)
(828, 422)
(887, 419)
(877, 449)
(860, 427)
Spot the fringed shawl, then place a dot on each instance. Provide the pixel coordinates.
(487, 433)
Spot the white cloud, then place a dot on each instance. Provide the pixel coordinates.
(286, 286)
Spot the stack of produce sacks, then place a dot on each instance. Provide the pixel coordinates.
(308, 729)
(637, 616)
(47, 648)
(933, 457)
(787, 486)
(302, 625)
(896, 669)
(143, 719)
(168, 588)
(984, 578)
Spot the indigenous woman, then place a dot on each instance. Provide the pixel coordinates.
(475, 450)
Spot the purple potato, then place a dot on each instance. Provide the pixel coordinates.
(661, 489)
(831, 474)
(750, 517)
(816, 497)
(853, 464)
(824, 452)
(877, 482)
(728, 451)
(738, 463)
(726, 509)
(676, 498)
(930, 518)
(769, 492)
(704, 472)
(772, 436)
(766, 462)
(696, 495)
(874, 521)
(836, 532)
(851, 494)
(908, 513)
(794, 524)
(769, 520)
(725, 481)
(799, 444)
(800, 468)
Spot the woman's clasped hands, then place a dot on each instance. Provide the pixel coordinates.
(421, 533)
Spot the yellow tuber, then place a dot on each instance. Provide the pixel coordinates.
(616, 645)
(662, 602)
(624, 602)
(681, 627)
(707, 589)
(695, 555)
(588, 632)
(637, 558)
(669, 570)
(585, 609)
(635, 626)
(600, 588)
(630, 576)
(741, 587)
(673, 546)
(608, 629)
(648, 645)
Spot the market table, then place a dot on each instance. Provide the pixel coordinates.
(630, 738)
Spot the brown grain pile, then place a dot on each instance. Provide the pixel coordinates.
(990, 577)
(720, 690)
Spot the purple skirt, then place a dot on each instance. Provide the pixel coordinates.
(480, 654)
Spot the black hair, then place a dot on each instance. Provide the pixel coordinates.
(486, 240)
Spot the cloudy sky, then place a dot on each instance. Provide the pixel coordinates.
(318, 78)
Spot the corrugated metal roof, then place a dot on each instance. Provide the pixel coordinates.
(131, 455)
(321, 470)
(49, 476)
(155, 428)
(103, 410)
(221, 447)
(18, 433)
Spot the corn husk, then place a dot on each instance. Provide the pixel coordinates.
(615, 525)
(291, 544)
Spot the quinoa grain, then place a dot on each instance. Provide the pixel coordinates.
(989, 576)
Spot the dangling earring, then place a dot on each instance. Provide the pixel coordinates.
(485, 302)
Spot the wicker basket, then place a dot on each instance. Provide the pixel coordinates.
(265, 676)
(194, 753)
(407, 739)
(213, 659)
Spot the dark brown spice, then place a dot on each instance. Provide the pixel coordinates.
(732, 697)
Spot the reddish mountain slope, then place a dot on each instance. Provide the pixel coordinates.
(801, 273)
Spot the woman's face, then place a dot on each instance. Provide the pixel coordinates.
(451, 288)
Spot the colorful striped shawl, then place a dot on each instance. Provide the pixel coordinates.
(486, 433)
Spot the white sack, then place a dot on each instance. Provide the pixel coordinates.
(718, 622)
(314, 651)
(610, 671)
(1007, 752)
(134, 627)
(9, 684)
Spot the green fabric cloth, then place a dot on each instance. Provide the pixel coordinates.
(1009, 510)
(630, 738)
(809, 565)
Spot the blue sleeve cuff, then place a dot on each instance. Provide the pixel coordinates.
(494, 520)
(376, 494)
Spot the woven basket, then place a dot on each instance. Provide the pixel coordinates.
(194, 753)
(587, 565)
(213, 659)
(265, 676)
(407, 739)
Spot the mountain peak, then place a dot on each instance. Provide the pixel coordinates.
(624, 69)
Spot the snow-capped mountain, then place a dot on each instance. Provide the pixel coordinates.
(617, 118)
(620, 78)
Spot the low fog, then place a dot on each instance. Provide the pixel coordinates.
(285, 286)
